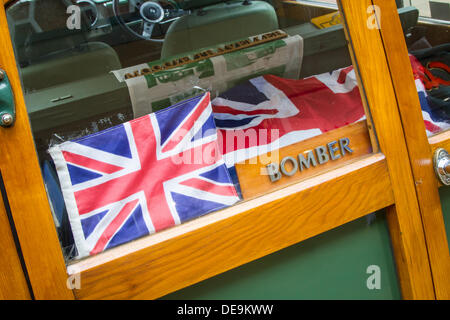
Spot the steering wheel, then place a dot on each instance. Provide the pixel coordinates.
(89, 11)
(149, 14)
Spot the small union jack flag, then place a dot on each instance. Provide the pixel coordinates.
(143, 176)
(282, 112)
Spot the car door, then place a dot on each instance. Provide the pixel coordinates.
(424, 156)
(380, 171)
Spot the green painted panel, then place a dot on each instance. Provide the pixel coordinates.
(444, 193)
(330, 266)
(7, 106)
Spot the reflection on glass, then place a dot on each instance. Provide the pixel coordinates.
(428, 43)
(148, 114)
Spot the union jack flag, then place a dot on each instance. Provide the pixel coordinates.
(143, 176)
(269, 112)
(436, 119)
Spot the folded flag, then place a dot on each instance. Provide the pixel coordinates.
(435, 116)
(143, 176)
(269, 112)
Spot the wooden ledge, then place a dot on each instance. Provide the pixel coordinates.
(440, 140)
(181, 256)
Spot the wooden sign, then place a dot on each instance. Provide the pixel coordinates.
(296, 162)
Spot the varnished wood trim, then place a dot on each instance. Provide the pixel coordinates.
(13, 285)
(26, 193)
(369, 58)
(440, 140)
(418, 147)
(189, 253)
(401, 258)
(253, 183)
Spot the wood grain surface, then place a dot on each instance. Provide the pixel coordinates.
(369, 58)
(13, 285)
(440, 140)
(26, 192)
(418, 147)
(251, 173)
(189, 253)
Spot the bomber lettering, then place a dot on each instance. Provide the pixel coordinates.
(320, 155)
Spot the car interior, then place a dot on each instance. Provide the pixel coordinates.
(66, 50)
(66, 72)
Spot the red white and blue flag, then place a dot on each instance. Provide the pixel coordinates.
(435, 120)
(269, 112)
(143, 176)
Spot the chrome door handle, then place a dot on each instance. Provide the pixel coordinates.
(441, 161)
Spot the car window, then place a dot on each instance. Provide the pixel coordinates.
(436, 9)
(149, 114)
(428, 44)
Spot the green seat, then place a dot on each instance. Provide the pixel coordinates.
(86, 61)
(216, 24)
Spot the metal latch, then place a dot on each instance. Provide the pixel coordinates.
(441, 161)
(7, 107)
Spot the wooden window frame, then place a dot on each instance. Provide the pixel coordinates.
(150, 267)
(13, 283)
(420, 149)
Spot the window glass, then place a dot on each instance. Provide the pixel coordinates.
(436, 9)
(150, 114)
(428, 44)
